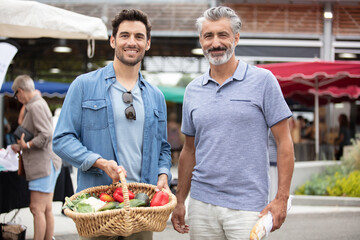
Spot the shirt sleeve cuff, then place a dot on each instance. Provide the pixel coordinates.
(167, 172)
(89, 162)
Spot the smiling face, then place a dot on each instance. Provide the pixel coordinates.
(218, 41)
(130, 42)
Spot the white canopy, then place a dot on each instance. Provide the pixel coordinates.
(30, 19)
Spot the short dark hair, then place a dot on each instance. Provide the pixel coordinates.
(131, 15)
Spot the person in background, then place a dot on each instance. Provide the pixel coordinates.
(174, 137)
(22, 110)
(343, 137)
(113, 120)
(9, 136)
(41, 164)
(303, 126)
(227, 113)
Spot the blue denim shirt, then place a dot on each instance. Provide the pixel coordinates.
(85, 130)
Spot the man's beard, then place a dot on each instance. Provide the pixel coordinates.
(129, 62)
(218, 60)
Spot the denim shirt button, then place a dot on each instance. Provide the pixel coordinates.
(95, 106)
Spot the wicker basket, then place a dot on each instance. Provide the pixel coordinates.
(125, 221)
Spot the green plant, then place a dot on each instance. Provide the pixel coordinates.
(346, 185)
(341, 180)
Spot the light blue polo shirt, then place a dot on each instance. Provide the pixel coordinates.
(230, 124)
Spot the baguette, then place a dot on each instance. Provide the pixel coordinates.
(262, 227)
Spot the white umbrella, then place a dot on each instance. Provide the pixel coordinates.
(31, 19)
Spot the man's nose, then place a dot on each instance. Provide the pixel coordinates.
(216, 42)
(131, 40)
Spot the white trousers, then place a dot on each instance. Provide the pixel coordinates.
(208, 221)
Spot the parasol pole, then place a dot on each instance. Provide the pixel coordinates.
(316, 119)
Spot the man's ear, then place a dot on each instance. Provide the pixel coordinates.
(148, 43)
(112, 41)
(237, 37)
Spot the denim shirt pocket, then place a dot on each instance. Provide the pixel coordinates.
(94, 114)
(160, 123)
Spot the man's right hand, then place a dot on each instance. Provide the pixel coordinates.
(111, 168)
(178, 219)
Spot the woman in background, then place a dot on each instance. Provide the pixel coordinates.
(41, 164)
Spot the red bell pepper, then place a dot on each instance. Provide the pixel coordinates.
(159, 199)
(118, 195)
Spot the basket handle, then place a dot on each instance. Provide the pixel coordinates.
(124, 190)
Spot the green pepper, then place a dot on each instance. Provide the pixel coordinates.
(133, 203)
(109, 206)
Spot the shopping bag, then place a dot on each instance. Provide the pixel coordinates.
(12, 231)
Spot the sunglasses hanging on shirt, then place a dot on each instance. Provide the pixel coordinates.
(130, 110)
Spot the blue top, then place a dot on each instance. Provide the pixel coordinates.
(86, 129)
(230, 124)
(129, 133)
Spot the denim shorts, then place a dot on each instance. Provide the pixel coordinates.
(45, 184)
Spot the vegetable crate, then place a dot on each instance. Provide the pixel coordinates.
(125, 221)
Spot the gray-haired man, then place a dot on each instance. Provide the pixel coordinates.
(227, 113)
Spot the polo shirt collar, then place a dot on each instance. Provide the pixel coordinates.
(238, 75)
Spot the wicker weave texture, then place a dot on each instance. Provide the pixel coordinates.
(126, 221)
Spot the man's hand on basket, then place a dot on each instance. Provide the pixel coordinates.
(111, 168)
(162, 183)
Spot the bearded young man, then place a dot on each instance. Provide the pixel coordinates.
(227, 114)
(113, 120)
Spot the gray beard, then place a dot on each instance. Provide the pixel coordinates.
(220, 60)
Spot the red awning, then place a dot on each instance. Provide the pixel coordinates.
(328, 95)
(300, 77)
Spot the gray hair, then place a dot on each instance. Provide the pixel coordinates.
(24, 82)
(216, 13)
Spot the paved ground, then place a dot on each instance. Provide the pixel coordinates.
(303, 223)
(316, 226)
(320, 226)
